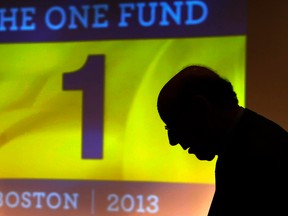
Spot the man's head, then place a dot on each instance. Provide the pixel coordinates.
(197, 106)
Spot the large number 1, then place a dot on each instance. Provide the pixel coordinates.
(90, 79)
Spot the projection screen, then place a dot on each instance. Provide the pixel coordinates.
(79, 80)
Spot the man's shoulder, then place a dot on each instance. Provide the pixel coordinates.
(255, 122)
(262, 135)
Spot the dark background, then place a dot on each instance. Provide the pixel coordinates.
(267, 58)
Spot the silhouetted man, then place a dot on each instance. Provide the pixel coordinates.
(201, 113)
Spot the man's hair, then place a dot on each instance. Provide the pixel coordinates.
(215, 89)
(197, 81)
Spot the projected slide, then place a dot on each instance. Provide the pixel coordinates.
(79, 80)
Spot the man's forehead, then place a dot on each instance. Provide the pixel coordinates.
(168, 103)
(175, 113)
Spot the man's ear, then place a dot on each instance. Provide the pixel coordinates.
(201, 104)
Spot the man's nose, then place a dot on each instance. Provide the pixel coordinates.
(173, 139)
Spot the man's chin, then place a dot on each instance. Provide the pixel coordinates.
(207, 157)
